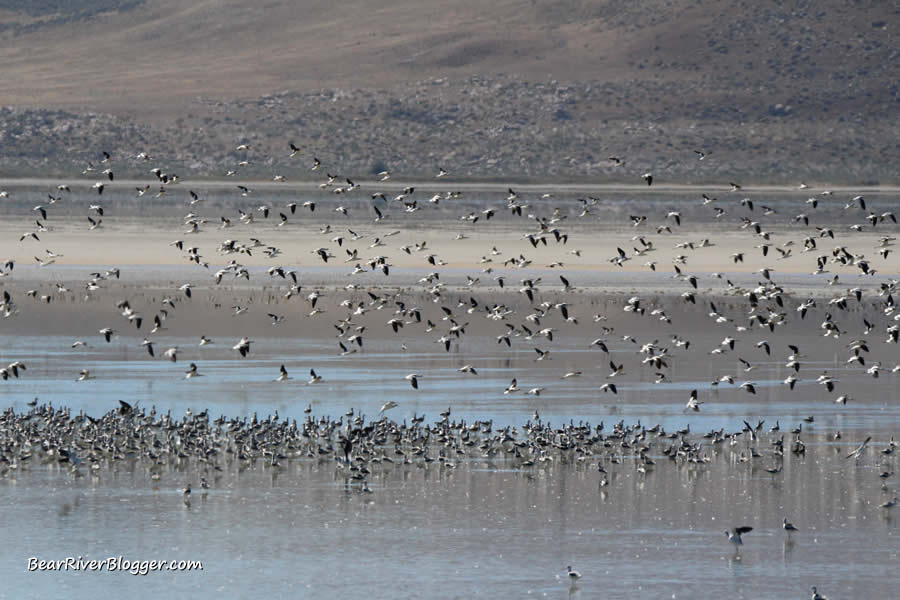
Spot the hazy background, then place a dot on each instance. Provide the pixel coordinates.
(771, 91)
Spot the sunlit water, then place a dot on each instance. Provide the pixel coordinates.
(486, 528)
(477, 531)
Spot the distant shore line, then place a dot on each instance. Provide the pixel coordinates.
(470, 185)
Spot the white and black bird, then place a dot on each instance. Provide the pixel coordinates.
(243, 346)
(859, 449)
(816, 595)
(693, 403)
(788, 526)
(192, 372)
(734, 534)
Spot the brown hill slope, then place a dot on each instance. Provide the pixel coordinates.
(163, 50)
(543, 82)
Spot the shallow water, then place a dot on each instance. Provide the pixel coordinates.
(486, 528)
(364, 381)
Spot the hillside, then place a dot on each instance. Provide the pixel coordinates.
(507, 88)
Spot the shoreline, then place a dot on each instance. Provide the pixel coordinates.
(398, 184)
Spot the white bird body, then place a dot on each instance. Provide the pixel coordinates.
(192, 372)
(734, 534)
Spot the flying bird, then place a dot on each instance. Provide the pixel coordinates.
(734, 534)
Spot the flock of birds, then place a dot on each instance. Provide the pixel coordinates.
(751, 319)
